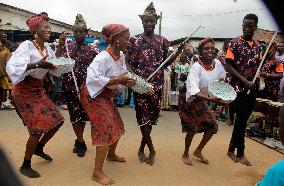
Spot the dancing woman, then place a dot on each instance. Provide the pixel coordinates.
(26, 69)
(105, 76)
(195, 115)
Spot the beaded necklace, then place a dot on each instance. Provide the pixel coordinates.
(206, 68)
(115, 58)
(39, 49)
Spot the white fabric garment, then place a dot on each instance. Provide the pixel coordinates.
(101, 70)
(198, 78)
(26, 53)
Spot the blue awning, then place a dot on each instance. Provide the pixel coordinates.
(102, 45)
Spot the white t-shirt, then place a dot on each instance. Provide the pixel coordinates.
(198, 78)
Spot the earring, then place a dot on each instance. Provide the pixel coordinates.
(117, 43)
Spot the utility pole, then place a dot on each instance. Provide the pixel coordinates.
(160, 23)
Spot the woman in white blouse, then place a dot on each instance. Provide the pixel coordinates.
(194, 113)
(105, 76)
(26, 69)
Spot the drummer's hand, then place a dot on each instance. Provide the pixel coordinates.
(125, 80)
(62, 38)
(45, 64)
(151, 92)
(249, 84)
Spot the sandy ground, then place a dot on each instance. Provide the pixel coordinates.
(68, 169)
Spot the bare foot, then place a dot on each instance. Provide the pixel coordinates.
(115, 158)
(186, 160)
(101, 178)
(200, 156)
(232, 156)
(142, 157)
(243, 160)
(150, 160)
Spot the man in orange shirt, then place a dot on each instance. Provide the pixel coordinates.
(242, 60)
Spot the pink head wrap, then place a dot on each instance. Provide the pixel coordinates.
(35, 22)
(112, 30)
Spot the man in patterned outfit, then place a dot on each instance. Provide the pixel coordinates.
(83, 54)
(146, 52)
(242, 60)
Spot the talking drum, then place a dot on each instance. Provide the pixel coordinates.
(273, 110)
(63, 65)
(261, 105)
(272, 115)
(222, 90)
(259, 111)
(141, 86)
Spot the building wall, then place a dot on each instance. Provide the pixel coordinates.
(18, 17)
(10, 17)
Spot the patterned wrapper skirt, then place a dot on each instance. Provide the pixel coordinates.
(147, 108)
(37, 111)
(106, 124)
(196, 117)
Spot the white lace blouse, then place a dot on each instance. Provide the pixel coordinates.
(101, 70)
(26, 53)
(198, 78)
